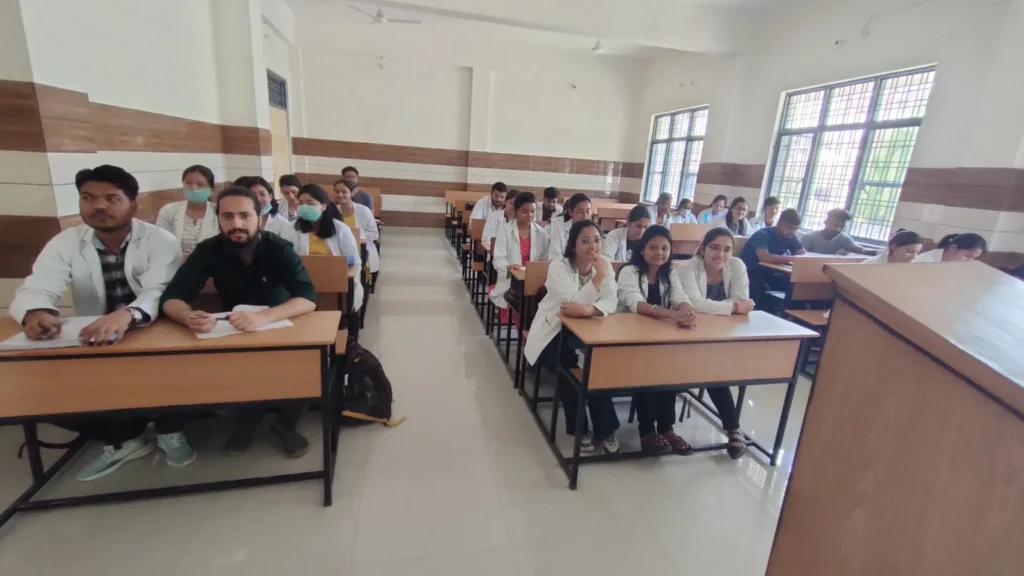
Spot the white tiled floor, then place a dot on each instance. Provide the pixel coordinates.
(466, 486)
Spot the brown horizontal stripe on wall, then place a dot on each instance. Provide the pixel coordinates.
(22, 239)
(632, 169)
(398, 186)
(501, 161)
(20, 125)
(730, 174)
(67, 119)
(410, 219)
(982, 188)
(381, 152)
(629, 198)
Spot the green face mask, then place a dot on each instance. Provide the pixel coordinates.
(308, 213)
(198, 195)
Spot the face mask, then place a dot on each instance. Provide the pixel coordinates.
(198, 195)
(308, 213)
(266, 210)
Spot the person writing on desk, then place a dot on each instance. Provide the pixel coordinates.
(117, 267)
(648, 286)
(248, 266)
(831, 239)
(956, 248)
(580, 284)
(904, 246)
(775, 245)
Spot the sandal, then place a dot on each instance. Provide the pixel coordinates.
(654, 443)
(679, 446)
(737, 444)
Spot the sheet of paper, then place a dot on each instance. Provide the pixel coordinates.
(224, 328)
(68, 337)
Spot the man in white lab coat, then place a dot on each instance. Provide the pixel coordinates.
(117, 268)
(484, 208)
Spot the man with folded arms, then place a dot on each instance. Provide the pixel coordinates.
(253, 267)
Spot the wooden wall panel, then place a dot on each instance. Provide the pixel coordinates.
(731, 174)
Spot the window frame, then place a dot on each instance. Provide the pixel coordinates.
(688, 139)
(272, 79)
(869, 126)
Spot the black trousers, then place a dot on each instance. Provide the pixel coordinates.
(602, 411)
(763, 280)
(660, 408)
(287, 417)
(116, 431)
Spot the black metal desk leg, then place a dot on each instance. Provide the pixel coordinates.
(35, 459)
(326, 425)
(557, 396)
(581, 420)
(787, 403)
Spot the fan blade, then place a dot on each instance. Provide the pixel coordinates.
(403, 21)
(361, 11)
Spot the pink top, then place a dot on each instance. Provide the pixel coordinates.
(524, 249)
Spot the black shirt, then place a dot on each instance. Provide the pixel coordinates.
(275, 276)
(716, 292)
(631, 246)
(654, 294)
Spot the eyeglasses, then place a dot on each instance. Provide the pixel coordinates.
(590, 240)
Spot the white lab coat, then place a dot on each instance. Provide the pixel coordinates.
(276, 223)
(70, 259)
(558, 236)
(881, 258)
(686, 217)
(633, 290)
(171, 217)
(758, 223)
(711, 215)
(483, 208)
(930, 256)
(367, 226)
(506, 253)
(494, 223)
(615, 245)
(743, 228)
(563, 285)
(341, 244)
(694, 279)
(652, 210)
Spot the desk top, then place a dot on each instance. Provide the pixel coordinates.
(627, 328)
(518, 274)
(313, 329)
(779, 267)
(968, 315)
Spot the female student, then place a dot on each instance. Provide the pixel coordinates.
(516, 243)
(318, 231)
(956, 248)
(358, 217)
(661, 211)
(270, 217)
(648, 286)
(620, 244)
(904, 246)
(289, 185)
(577, 209)
(717, 207)
(684, 213)
(735, 218)
(716, 283)
(195, 218)
(581, 284)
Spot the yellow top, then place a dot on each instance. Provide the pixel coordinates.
(349, 220)
(317, 246)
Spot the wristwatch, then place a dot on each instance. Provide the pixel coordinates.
(137, 317)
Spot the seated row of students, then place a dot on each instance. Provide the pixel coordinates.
(127, 272)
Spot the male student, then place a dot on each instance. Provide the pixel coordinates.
(775, 245)
(550, 209)
(486, 206)
(767, 218)
(832, 239)
(351, 177)
(248, 266)
(117, 267)
(498, 219)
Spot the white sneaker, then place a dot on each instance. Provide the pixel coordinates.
(610, 445)
(587, 443)
(179, 453)
(113, 458)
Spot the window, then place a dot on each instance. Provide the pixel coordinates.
(278, 91)
(673, 156)
(848, 145)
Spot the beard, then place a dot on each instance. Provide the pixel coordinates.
(105, 222)
(250, 240)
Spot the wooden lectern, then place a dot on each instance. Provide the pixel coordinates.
(911, 457)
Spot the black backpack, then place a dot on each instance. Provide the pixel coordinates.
(365, 389)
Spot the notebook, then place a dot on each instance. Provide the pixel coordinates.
(224, 328)
(68, 338)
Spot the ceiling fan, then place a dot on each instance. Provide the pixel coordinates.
(379, 17)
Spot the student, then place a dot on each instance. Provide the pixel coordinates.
(904, 246)
(577, 209)
(775, 245)
(620, 244)
(832, 239)
(482, 209)
(551, 208)
(684, 213)
(289, 185)
(270, 216)
(116, 266)
(319, 231)
(661, 211)
(498, 219)
(516, 243)
(956, 248)
(717, 207)
(716, 283)
(194, 219)
(768, 214)
(248, 266)
(581, 284)
(735, 218)
(358, 217)
(351, 177)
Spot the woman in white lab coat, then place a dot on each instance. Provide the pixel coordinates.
(582, 285)
(649, 286)
(361, 218)
(517, 242)
(904, 246)
(661, 211)
(620, 243)
(716, 283)
(716, 209)
(684, 213)
(271, 219)
(956, 248)
(318, 231)
(735, 218)
(577, 209)
(194, 219)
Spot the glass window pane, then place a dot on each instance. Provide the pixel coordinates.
(905, 96)
(790, 169)
(653, 186)
(674, 168)
(700, 122)
(886, 159)
(689, 186)
(803, 110)
(693, 162)
(661, 125)
(831, 175)
(680, 125)
(849, 104)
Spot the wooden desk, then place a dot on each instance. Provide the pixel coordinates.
(530, 280)
(629, 353)
(160, 368)
(687, 237)
(910, 464)
(784, 268)
(606, 214)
